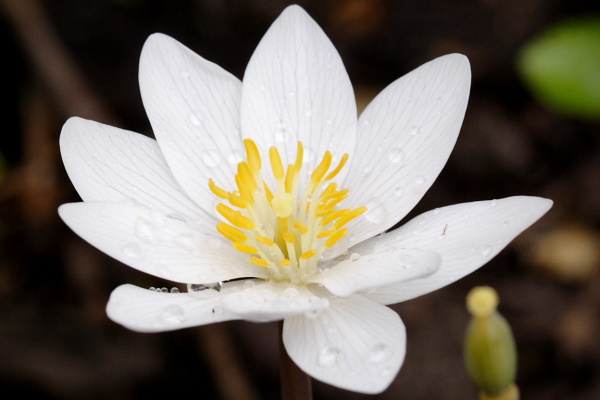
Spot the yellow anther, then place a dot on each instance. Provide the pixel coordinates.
(246, 175)
(264, 240)
(337, 169)
(268, 192)
(244, 189)
(236, 200)
(261, 262)
(285, 263)
(299, 157)
(244, 248)
(329, 190)
(301, 227)
(333, 216)
(288, 237)
(242, 221)
(289, 178)
(325, 233)
(344, 219)
(252, 155)
(335, 199)
(308, 254)
(276, 164)
(217, 191)
(333, 239)
(231, 233)
(226, 212)
(282, 204)
(322, 168)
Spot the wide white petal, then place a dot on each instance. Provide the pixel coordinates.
(157, 244)
(465, 235)
(355, 344)
(110, 164)
(193, 106)
(405, 137)
(144, 310)
(271, 301)
(360, 272)
(296, 88)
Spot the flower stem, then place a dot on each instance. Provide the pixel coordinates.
(295, 384)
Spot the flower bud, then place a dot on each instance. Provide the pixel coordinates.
(490, 351)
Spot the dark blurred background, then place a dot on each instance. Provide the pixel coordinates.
(73, 57)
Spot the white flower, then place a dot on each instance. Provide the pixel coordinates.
(286, 252)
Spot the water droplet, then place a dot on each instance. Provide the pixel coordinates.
(354, 256)
(309, 154)
(366, 121)
(329, 121)
(292, 93)
(415, 130)
(290, 293)
(379, 149)
(195, 120)
(157, 218)
(164, 290)
(248, 284)
(197, 287)
(308, 113)
(187, 241)
(486, 250)
(419, 179)
(282, 135)
(329, 356)
(175, 290)
(396, 155)
(376, 211)
(211, 158)
(262, 88)
(185, 74)
(367, 171)
(399, 191)
(152, 288)
(436, 212)
(380, 353)
(132, 250)
(312, 314)
(235, 157)
(493, 203)
(177, 217)
(145, 231)
(173, 314)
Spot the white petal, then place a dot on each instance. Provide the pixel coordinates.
(405, 137)
(273, 301)
(465, 235)
(110, 164)
(296, 88)
(144, 310)
(156, 243)
(193, 106)
(360, 272)
(355, 344)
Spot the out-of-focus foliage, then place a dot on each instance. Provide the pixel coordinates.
(561, 67)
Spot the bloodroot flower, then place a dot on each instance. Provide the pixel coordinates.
(271, 200)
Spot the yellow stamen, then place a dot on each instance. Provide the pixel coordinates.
(231, 233)
(264, 240)
(289, 178)
(333, 216)
(333, 239)
(244, 248)
(308, 254)
(301, 227)
(285, 263)
(337, 169)
(325, 233)
(261, 262)
(288, 237)
(344, 219)
(252, 155)
(299, 157)
(217, 191)
(322, 168)
(276, 164)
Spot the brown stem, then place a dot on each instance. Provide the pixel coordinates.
(295, 384)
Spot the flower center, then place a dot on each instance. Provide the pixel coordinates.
(284, 229)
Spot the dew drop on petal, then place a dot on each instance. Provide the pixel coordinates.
(396, 155)
(419, 179)
(376, 211)
(329, 356)
(415, 130)
(211, 158)
(379, 353)
(486, 251)
(187, 241)
(185, 74)
(174, 290)
(309, 154)
(173, 314)
(290, 293)
(354, 256)
(399, 191)
(493, 203)
(308, 113)
(195, 120)
(262, 88)
(282, 135)
(366, 121)
(146, 232)
(312, 314)
(157, 218)
(132, 250)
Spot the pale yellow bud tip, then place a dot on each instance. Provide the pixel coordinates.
(482, 301)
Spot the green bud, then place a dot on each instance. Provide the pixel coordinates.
(490, 351)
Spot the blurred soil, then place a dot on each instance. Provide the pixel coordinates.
(55, 339)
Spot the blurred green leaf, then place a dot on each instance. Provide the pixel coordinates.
(561, 67)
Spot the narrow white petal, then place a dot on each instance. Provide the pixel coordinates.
(144, 310)
(110, 164)
(271, 301)
(360, 272)
(405, 137)
(355, 344)
(466, 236)
(157, 244)
(193, 106)
(296, 88)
